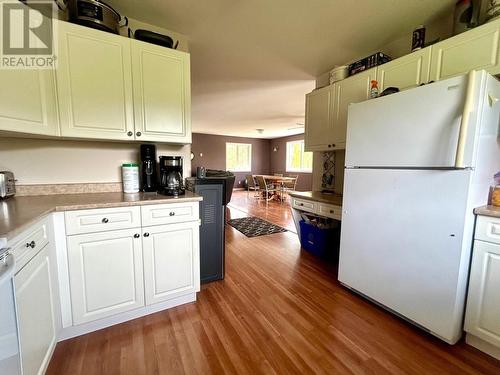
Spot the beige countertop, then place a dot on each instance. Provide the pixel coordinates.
(318, 196)
(17, 213)
(493, 211)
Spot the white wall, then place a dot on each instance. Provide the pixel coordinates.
(37, 161)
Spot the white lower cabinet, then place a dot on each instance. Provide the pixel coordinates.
(106, 274)
(482, 321)
(35, 313)
(120, 274)
(171, 261)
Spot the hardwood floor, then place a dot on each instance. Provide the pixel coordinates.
(278, 311)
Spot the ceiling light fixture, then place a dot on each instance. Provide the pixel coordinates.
(260, 131)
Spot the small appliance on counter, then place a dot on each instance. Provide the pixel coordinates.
(171, 182)
(216, 192)
(149, 180)
(7, 184)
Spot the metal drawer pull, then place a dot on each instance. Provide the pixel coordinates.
(172, 213)
(137, 235)
(105, 220)
(31, 244)
(146, 234)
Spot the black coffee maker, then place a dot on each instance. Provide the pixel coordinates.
(171, 182)
(149, 181)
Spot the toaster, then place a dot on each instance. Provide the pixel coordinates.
(7, 184)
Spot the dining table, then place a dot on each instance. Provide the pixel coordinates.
(277, 180)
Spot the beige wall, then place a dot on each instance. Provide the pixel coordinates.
(36, 161)
(441, 27)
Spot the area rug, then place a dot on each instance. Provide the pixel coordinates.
(253, 226)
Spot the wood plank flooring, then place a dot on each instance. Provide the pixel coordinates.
(279, 311)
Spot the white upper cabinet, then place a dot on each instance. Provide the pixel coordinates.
(318, 124)
(162, 93)
(28, 101)
(354, 89)
(94, 84)
(407, 71)
(474, 49)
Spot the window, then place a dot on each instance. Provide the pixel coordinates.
(297, 160)
(239, 157)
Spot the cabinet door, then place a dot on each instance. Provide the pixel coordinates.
(171, 261)
(318, 125)
(106, 274)
(483, 301)
(28, 101)
(35, 313)
(94, 83)
(407, 71)
(354, 89)
(473, 50)
(162, 93)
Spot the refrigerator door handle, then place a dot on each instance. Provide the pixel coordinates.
(464, 123)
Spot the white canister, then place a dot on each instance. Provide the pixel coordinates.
(130, 178)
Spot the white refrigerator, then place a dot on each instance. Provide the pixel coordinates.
(417, 163)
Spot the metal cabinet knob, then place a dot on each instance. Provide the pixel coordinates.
(138, 134)
(172, 213)
(329, 146)
(137, 235)
(130, 134)
(333, 144)
(31, 244)
(146, 234)
(105, 220)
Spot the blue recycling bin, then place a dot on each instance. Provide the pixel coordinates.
(322, 242)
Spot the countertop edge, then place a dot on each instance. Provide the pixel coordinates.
(91, 206)
(491, 211)
(327, 199)
(8, 236)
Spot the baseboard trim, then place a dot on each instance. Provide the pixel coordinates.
(73, 331)
(483, 346)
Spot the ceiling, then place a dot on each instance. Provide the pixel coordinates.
(253, 61)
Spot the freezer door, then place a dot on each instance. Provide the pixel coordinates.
(402, 243)
(417, 128)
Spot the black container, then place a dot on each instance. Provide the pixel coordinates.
(371, 61)
(149, 179)
(171, 182)
(154, 38)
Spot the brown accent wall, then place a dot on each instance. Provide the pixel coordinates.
(278, 161)
(213, 148)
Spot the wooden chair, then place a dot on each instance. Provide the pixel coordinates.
(290, 185)
(268, 189)
(251, 185)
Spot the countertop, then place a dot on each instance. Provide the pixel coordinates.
(493, 211)
(318, 196)
(17, 213)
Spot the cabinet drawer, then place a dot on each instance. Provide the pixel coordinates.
(304, 205)
(328, 210)
(30, 242)
(99, 220)
(488, 229)
(159, 214)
